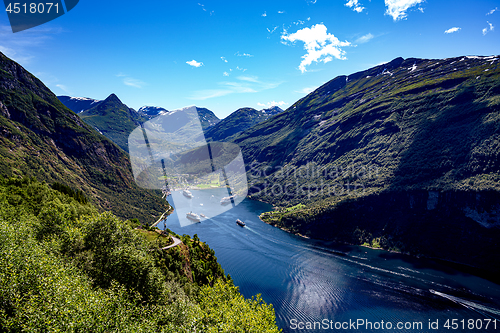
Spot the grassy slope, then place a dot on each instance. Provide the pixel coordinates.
(41, 137)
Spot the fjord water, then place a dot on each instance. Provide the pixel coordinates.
(309, 280)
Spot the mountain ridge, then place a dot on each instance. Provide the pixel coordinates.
(239, 121)
(42, 138)
(113, 119)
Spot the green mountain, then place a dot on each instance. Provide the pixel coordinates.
(239, 121)
(403, 156)
(41, 137)
(113, 119)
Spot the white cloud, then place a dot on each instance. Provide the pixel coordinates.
(398, 8)
(225, 74)
(306, 90)
(243, 54)
(210, 93)
(8, 51)
(22, 47)
(486, 30)
(355, 5)
(320, 45)
(273, 30)
(243, 84)
(248, 78)
(204, 9)
(128, 81)
(223, 59)
(194, 63)
(364, 39)
(63, 88)
(264, 15)
(280, 12)
(492, 11)
(240, 69)
(271, 104)
(238, 87)
(452, 30)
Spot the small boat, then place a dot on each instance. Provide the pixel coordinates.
(227, 200)
(203, 215)
(187, 194)
(193, 217)
(240, 223)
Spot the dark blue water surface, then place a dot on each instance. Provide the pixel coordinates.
(310, 281)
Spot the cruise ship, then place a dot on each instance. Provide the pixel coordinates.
(187, 194)
(193, 217)
(227, 200)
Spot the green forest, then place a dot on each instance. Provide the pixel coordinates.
(64, 266)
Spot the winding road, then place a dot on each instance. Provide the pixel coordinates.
(177, 241)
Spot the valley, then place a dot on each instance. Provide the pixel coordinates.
(418, 138)
(401, 157)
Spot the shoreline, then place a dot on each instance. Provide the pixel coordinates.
(286, 230)
(463, 268)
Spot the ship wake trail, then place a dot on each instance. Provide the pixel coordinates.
(484, 310)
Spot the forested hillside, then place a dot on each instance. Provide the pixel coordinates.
(424, 134)
(40, 137)
(66, 267)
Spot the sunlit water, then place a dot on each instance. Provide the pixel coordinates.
(311, 281)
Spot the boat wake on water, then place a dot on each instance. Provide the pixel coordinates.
(353, 259)
(482, 309)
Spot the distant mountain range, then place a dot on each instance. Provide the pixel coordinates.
(40, 137)
(116, 120)
(239, 121)
(151, 111)
(78, 104)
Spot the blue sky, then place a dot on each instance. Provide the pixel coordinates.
(224, 55)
